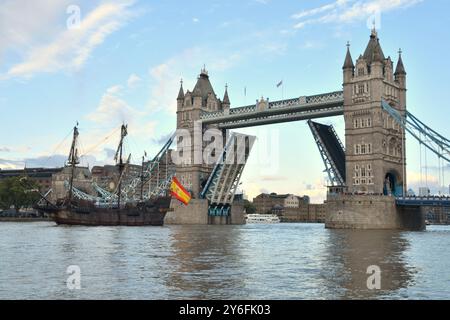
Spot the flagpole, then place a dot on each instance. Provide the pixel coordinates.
(245, 95)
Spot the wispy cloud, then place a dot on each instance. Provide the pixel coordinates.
(346, 11)
(166, 75)
(113, 108)
(69, 49)
(133, 80)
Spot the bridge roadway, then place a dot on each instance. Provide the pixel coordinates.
(423, 201)
(303, 108)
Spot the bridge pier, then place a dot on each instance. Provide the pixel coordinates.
(196, 213)
(345, 211)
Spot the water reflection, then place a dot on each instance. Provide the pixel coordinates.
(351, 252)
(283, 261)
(205, 262)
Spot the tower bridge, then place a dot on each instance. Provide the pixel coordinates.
(367, 176)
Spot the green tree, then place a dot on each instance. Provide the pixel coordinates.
(18, 192)
(249, 207)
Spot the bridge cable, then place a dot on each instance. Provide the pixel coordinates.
(420, 160)
(426, 166)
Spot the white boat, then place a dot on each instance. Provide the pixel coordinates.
(262, 218)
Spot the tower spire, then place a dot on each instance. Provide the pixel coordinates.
(400, 67)
(348, 63)
(226, 99)
(181, 92)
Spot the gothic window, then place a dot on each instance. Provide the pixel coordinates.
(363, 149)
(369, 122)
(361, 88)
(357, 149)
(360, 71)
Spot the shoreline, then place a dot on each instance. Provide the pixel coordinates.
(23, 219)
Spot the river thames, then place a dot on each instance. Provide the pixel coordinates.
(279, 261)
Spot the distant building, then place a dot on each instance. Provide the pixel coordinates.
(162, 171)
(41, 176)
(82, 180)
(289, 207)
(265, 202)
(107, 177)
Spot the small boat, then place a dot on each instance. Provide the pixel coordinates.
(262, 218)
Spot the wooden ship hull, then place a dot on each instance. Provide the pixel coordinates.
(149, 213)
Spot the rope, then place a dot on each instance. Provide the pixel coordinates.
(107, 137)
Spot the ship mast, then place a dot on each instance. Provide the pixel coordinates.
(119, 160)
(142, 178)
(73, 161)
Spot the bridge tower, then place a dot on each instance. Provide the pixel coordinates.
(190, 106)
(375, 143)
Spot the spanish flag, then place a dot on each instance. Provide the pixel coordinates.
(179, 192)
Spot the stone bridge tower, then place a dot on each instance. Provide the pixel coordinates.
(190, 106)
(375, 143)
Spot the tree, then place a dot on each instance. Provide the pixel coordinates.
(18, 192)
(249, 207)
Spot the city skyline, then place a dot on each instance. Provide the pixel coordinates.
(109, 70)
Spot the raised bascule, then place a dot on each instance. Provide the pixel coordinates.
(367, 177)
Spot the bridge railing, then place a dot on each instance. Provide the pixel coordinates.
(332, 97)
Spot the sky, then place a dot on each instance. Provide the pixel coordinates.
(102, 63)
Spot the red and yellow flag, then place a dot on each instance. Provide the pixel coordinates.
(179, 192)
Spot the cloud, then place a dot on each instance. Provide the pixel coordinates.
(69, 49)
(113, 108)
(110, 153)
(347, 11)
(162, 139)
(321, 9)
(195, 20)
(272, 178)
(22, 22)
(166, 75)
(5, 149)
(133, 80)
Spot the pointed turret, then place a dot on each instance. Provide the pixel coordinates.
(203, 86)
(348, 63)
(226, 99)
(378, 55)
(373, 51)
(181, 92)
(400, 70)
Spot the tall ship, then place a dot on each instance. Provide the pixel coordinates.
(116, 208)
